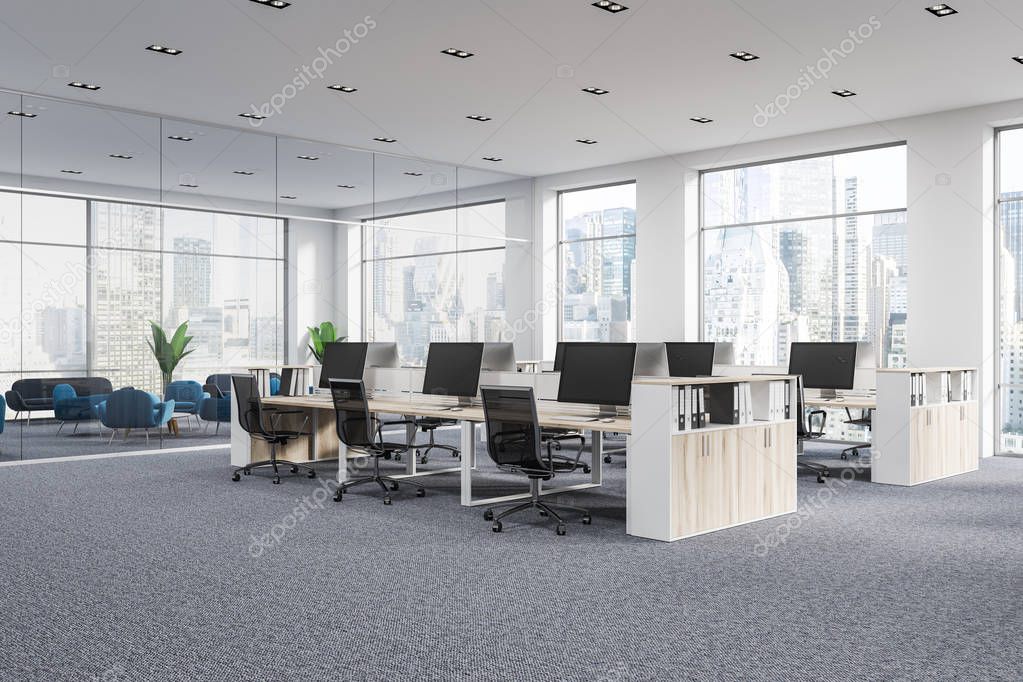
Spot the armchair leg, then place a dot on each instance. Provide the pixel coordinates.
(113, 432)
(59, 428)
(76, 429)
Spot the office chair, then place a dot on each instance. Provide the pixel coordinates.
(264, 424)
(362, 432)
(866, 420)
(428, 425)
(558, 436)
(516, 446)
(805, 432)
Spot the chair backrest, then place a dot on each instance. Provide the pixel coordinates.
(355, 428)
(64, 392)
(213, 389)
(513, 429)
(221, 381)
(250, 408)
(129, 408)
(184, 391)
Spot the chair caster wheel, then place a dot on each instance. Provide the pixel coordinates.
(311, 474)
(339, 495)
(845, 456)
(424, 460)
(418, 453)
(496, 527)
(421, 492)
(388, 456)
(827, 474)
(236, 477)
(820, 479)
(586, 469)
(394, 486)
(387, 500)
(397, 457)
(277, 480)
(488, 515)
(294, 470)
(246, 472)
(587, 519)
(855, 453)
(456, 454)
(607, 459)
(562, 529)
(543, 513)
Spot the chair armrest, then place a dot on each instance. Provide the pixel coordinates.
(163, 412)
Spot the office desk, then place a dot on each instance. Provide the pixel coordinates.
(850, 402)
(324, 444)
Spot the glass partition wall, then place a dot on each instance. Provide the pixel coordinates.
(110, 220)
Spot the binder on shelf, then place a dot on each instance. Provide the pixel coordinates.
(700, 415)
(788, 399)
(725, 403)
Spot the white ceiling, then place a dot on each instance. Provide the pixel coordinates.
(663, 61)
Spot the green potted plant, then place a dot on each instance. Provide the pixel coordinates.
(169, 353)
(320, 336)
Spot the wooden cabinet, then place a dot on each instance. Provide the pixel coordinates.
(733, 475)
(943, 441)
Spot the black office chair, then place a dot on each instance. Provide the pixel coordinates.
(865, 420)
(516, 446)
(264, 423)
(362, 432)
(559, 436)
(427, 425)
(805, 432)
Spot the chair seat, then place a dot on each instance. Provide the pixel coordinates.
(183, 406)
(430, 423)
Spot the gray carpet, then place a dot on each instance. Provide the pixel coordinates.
(146, 568)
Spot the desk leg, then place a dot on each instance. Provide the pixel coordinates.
(342, 462)
(314, 434)
(597, 450)
(410, 437)
(468, 447)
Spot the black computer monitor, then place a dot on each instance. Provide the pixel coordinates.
(342, 360)
(453, 369)
(597, 374)
(690, 359)
(827, 366)
(559, 351)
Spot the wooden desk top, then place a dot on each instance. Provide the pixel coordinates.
(552, 416)
(683, 381)
(923, 370)
(853, 402)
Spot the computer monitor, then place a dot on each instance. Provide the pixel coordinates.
(827, 366)
(499, 357)
(288, 383)
(559, 351)
(724, 353)
(651, 360)
(597, 374)
(342, 360)
(381, 354)
(453, 369)
(690, 359)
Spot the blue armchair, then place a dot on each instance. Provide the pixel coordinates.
(216, 408)
(68, 406)
(3, 413)
(187, 397)
(129, 409)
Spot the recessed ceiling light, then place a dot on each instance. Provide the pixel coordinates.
(188, 185)
(495, 159)
(941, 10)
(609, 6)
(83, 86)
(455, 52)
(243, 172)
(276, 4)
(701, 119)
(596, 91)
(23, 114)
(120, 156)
(744, 56)
(843, 93)
(479, 117)
(306, 157)
(173, 51)
(341, 88)
(179, 138)
(413, 173)
(254, 116)
(347, 186)
(288, 196)
(71, 172)
(586, 140)
(388, 140)
(1018, 59)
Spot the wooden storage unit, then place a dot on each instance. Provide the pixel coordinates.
(925, 442)
(684, 483)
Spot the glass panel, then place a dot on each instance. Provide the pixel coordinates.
(53, 220)
(322, 176)
(481, 294)
(81, 149)
(827, 280)
(10, 216)
(11, 318)
(10, 141)
(221, 234)
(53, 305)
(125, 226)
(869, 180)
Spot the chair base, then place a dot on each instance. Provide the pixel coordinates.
(542, 506)
(423, 449)
(386, 483)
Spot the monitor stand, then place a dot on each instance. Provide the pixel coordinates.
(462, 404)
(828, 393)
(607, 412)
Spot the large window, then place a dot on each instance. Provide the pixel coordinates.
(82, 279)
(597, 253)
(1010, 288)
(810, 249)
(435, 276)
